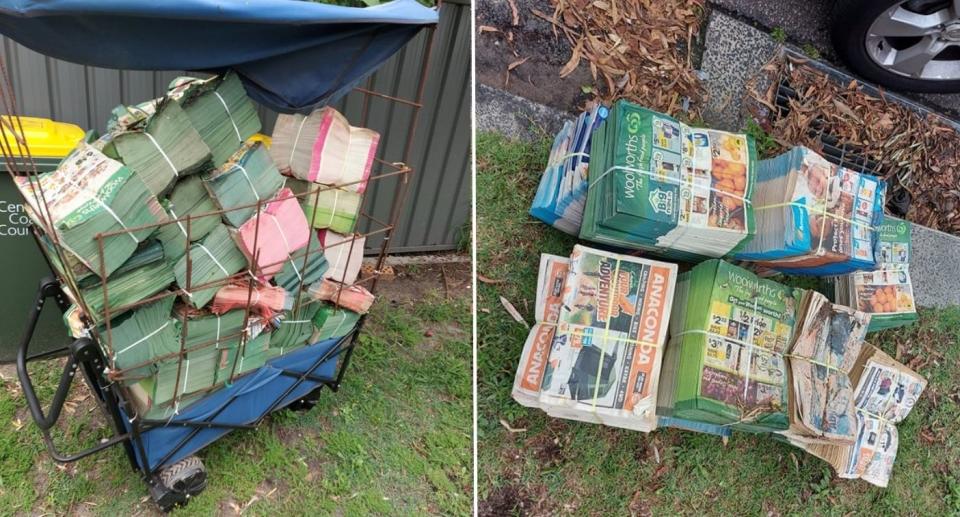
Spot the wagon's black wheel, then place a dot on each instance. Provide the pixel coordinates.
(306, 403)
(187, 476)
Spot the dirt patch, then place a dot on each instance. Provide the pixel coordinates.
(549, 446)
(562, 53)
(266, 489)
(515, 499)
(533, 39)
(415, 282)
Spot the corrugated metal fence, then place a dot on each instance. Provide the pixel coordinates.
(438, 203)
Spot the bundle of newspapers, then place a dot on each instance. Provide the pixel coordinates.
(885, 293)
(657, 184)
(745, 354)
(885, 393)
(595, 353)
(184, 253)
(828, 342)
(849, 394)
(813, 217)
(332, 161)
(725, 364)
(562, 192)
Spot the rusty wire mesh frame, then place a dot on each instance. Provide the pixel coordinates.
(20, 162)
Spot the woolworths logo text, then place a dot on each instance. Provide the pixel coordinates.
(634, 148)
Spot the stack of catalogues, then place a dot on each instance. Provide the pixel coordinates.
(562, 193)
(725, 362)
(603, 364)
(657, 184)
(885, 293)
(813, 217)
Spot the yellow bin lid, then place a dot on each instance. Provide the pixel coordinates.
(262, 138)
(44, 137)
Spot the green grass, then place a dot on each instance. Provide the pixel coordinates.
(396, 438)
(810, 51)
(778, 34)
(767, 146)
(559, 466)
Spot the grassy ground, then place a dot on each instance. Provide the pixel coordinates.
(396, 439)
(547, 466)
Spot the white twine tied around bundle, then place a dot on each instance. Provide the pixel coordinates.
(340, 247)
(676, 181)
(333, 209)
(560, 160)
(606, 335)
(749, 344)
(824, 214)
(883, 420)
(340, 323)
(253, 188)
(165, 157)
(215, 261)
(141, 340)
(177, 220)
(229, 115)
(296, 141)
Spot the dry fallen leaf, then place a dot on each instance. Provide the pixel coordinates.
(574, 61)
(486, 28)
(517, 63)
(514, 313)
(516, 14)
(511, 429)
(488, 280)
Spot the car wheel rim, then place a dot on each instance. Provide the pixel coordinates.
(919, 39)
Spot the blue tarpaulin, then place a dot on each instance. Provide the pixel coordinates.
(243, 402)
(292, 55)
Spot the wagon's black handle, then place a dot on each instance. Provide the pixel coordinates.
(83, 352)
(48, 287)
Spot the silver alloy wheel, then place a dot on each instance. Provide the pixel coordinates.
(920, 40)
